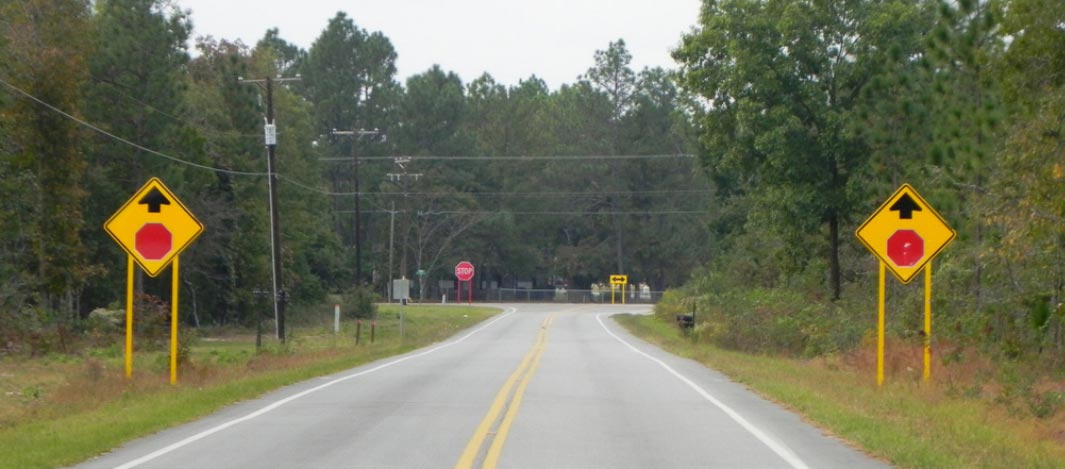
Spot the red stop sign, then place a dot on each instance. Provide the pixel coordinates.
(905, 248)
(464, 271)
(153, 241)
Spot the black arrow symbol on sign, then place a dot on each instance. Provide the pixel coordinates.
(905, 206)
(154, 199)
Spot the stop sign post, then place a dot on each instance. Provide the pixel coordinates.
(464, 273)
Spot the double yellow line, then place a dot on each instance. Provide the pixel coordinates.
(505, 400)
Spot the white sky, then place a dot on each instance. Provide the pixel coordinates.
(510, 39)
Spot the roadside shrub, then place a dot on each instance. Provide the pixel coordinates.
(151, 323)
(672, 304)
(106, 320)
(360, 303)
(1045, 405)
(151, 326)
(36, 331)
(776, 321)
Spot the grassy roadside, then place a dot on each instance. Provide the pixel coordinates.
(76, 410)
(905, 422)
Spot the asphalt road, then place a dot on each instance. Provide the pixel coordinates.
(541, 386)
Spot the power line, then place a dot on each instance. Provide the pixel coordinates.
(310, 188)
(546, 213)
(543, 194)
(127, 142)
(530, 194)
(154, 152)
(180, 120)
(519, 158)
(568, 213)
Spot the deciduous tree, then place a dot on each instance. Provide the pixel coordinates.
(783, 78)
(42, 215)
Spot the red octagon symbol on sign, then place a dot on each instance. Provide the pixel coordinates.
(153, 241)
(905, 248)
(464, 271)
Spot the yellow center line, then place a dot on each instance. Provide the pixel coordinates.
(522, 376)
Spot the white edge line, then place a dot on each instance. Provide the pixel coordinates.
(782, 450)
(275, 405)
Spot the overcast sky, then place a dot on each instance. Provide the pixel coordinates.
(511, 40)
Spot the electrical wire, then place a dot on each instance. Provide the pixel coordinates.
(180, 120)
(535, 195)
(530, 195)
(551, 213)
(515, 158)
(573, 213)
(127, 142)
(310, 188)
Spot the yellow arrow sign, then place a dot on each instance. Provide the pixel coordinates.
(153, 226)
(905, 233)
(619, 279)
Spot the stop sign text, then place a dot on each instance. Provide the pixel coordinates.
(464, 271)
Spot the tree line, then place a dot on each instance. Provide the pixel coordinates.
(814, 112)
(803, 117)
(561, 186)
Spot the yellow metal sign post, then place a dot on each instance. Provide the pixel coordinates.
(928, 321)
(616, 280)
(129, 316)
(880, 319)
(153, 227)
(905, 234)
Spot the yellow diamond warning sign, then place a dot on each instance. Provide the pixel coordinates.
(153, 226)
(905, 233)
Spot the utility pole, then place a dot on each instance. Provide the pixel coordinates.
(270, 133)
(404, 177)
(356, 135)
(391, 240)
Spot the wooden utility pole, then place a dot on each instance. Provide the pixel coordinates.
(356, 134)
(270, 133)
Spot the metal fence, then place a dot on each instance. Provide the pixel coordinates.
(550, 295)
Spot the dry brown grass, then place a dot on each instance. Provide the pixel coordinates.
(961, 372)
(36, 389)
(28, 386)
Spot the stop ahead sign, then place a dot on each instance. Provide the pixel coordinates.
(464, 271)
(153, 227)
(905, 233)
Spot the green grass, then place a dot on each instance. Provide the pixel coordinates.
(222, 373)
(905, 423)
